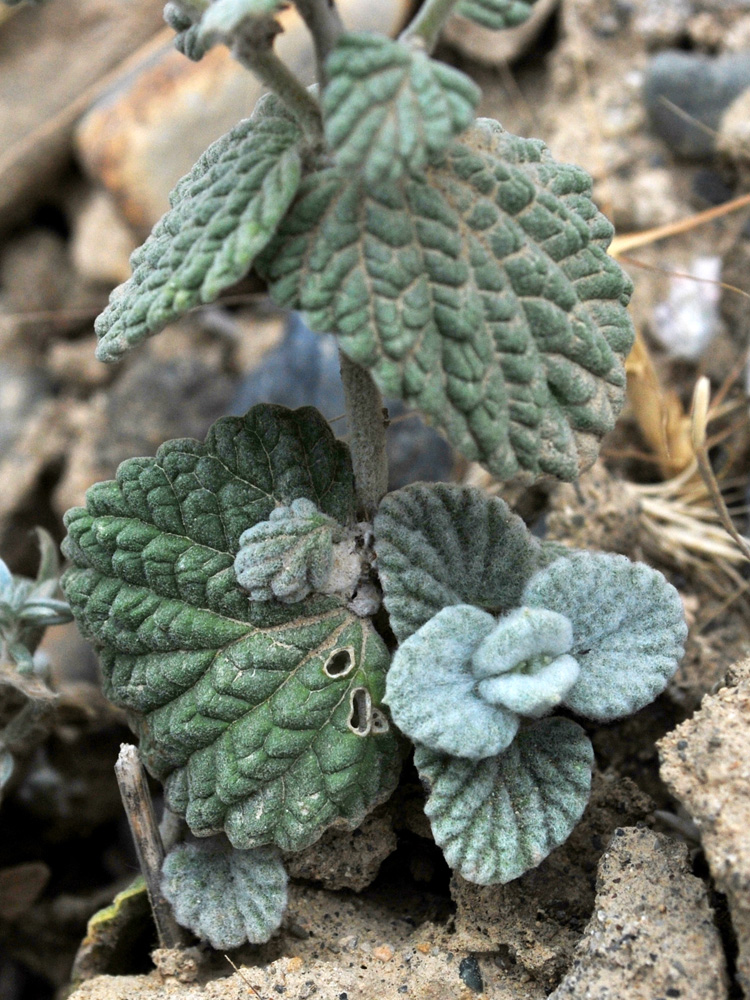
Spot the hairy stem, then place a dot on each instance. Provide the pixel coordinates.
(136, 799)
(366, 419)
(326, 27)
(424, 30)
(256, 53)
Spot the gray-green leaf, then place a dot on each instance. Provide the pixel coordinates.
(496, 818)
(496, 14)
(628, 629)
(389, 109)
(432, 692)
(225, 896)
(439, 545)
(259, 717)
(223, 213)
(480, 293)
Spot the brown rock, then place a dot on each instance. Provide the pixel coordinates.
(139, 141)
(706, 765)
(365, 945)
(346, 859)
(45, 80)
(536, 920)
(102, 242)
(652, 933)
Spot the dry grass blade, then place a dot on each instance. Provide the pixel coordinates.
(631, 241)
(243, 977)
(699, 422)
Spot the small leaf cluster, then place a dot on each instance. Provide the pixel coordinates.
(288, 556)
(486, 655)
(28, 606)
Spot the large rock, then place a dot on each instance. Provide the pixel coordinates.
(141, 138)
(652, 934)
(706, 765)
(340, 946)
(535, 921)
(50, 58)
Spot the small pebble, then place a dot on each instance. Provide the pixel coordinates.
(384, 953)
(470, 973)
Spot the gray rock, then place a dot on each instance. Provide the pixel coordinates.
(652, 933)
(706, 765)
(157, 398)
(686, 95)
(45, 88)
(22, 390)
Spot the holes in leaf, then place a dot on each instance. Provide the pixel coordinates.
(360, 717)
(340, 663)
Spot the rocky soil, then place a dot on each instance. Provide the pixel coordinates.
(650, 896)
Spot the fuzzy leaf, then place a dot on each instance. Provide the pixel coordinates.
(431, 689)
(223, 213)
(288, 556)
(479, 292)
(225, 896)
(388, 109)
(496, 14)
(439, 545)
(461, 682)
(239, 710)
(496, 818)
(628, 629)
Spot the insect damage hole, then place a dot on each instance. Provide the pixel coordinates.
(360, 717)
(340, 663)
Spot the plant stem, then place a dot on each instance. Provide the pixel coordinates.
(255, 52)
(366, 418)
(424, 30)
(136, 799)
(326, 27)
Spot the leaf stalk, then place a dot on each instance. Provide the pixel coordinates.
(425, 28)
(326, 27)
(366, 418)
(254, 50)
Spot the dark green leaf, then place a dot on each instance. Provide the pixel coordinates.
(232, 699)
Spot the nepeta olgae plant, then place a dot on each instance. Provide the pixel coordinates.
(233, 586)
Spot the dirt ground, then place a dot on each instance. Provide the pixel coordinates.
(649, 896)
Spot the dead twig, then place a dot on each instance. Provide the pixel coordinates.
(136, 799)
